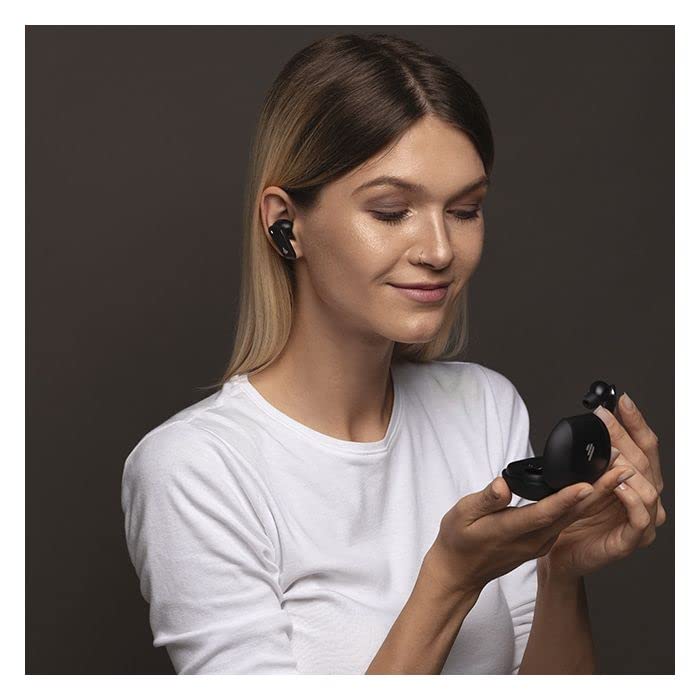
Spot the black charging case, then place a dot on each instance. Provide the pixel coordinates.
(578, 449)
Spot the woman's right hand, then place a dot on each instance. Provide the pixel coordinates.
(480, 538)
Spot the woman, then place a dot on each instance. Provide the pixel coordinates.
(336, 505)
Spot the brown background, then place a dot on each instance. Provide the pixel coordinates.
(137, 140)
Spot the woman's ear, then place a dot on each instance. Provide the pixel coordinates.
(275, 204)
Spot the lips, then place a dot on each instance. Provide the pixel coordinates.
(435, 294)
(420, 285)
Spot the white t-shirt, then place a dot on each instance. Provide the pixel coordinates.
(264, 546)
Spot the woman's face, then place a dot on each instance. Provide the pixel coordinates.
(361, 239)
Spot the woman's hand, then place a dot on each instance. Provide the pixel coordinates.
(481, 537)
(613, 525)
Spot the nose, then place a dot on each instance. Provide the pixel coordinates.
(435, 246)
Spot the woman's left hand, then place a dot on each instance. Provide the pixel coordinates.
(614, 524)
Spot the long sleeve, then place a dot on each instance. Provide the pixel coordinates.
(519, 586)
(204, 560)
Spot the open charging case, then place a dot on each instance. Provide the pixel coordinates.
(577, 449)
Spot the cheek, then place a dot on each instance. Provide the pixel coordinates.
(474, 254)
(353, 249)
(343, 264)
(475, 246)
(468, 249)
(349, 261)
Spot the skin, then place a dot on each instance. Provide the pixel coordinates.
(480, 538)
(333, 374)
(613, 525)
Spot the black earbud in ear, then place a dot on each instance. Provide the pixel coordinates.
(577, 449)
(281, 233)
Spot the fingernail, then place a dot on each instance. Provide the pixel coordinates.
(603, 414)
(627, 402)
(584, 492)
(626, 475)
(614, 453)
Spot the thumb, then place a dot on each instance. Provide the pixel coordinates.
(499, 492)
(495, 496)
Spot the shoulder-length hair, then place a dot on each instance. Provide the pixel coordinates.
(335, 104)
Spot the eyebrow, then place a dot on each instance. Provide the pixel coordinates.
(414, 187)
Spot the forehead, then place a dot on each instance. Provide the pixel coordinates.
(432, 153)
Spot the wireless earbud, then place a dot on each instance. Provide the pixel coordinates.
(577, 449)
(281, 233)
(601, 394)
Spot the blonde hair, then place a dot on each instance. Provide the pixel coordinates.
(315, 126)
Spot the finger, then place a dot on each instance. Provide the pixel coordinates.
(494, 496)
(614, 454)
(603, 487)
(660, 514)
(634, 533)
(641, 484)
(544, 513)
(650, 497)
(639, 430)
(620, 438)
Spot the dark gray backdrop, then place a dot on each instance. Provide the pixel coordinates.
(137, 139)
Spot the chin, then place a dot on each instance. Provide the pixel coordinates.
(418, 336)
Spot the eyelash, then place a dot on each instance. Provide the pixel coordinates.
(394, 218)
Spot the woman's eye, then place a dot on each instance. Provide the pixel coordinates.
(467, 214)
(390, 217)
(394, 217)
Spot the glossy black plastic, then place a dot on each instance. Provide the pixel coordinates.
(281, 233)
(577, 449)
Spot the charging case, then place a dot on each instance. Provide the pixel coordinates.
(577, 449)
